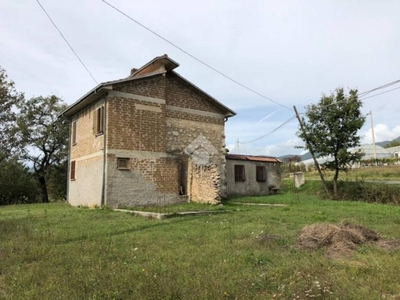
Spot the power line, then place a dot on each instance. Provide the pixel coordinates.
(363, 94)
(381, 93)
(195, 58)
(72, 49)
(280, 126)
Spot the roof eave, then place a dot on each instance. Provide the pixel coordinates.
(87, 99)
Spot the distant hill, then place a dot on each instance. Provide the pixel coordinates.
(303, 157)
(384, 143)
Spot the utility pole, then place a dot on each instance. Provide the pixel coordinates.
(373, 137)
(311, 150)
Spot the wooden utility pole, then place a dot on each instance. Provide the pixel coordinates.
(311, 151)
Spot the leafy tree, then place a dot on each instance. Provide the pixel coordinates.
(43, 137)
(17, 184)
(331, 129)
(9, 99)
(393, 143)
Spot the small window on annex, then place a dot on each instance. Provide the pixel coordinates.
(240, 174)
(98, 121)
(122, 163)
(73, 170)
(261, 174)
(73, 133)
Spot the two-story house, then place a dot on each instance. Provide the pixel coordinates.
(151, 138)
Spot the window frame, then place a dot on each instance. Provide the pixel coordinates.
(126, 163)
(261, 170)
(240, 173)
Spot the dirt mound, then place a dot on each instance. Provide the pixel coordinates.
(340, 239)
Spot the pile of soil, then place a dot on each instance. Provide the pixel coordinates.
(340, 240)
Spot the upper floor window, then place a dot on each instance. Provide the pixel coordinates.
(99, 121)
(240, 174)
(73, 133)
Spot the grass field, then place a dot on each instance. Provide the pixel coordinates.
(384, 173)
(53, 251)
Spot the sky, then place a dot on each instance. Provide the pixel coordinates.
(289, 51)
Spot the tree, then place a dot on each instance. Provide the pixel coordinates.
(43, 136)
(9, 100)
(332, 129)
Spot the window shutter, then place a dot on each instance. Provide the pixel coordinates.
(94, 122)
(73, 170)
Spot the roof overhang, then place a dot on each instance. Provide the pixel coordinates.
(92, 96)
(267, 159)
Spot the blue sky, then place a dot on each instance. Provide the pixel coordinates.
(289, 51)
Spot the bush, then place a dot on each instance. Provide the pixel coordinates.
(17, 184)
(351, 190)
(369, 192)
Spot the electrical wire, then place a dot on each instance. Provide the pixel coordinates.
(381, 93)
(363, 94)
(195, 58)
(279, 127)
(69, 45)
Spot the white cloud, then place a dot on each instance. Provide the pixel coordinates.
(382, 133)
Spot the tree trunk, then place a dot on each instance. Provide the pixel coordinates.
(43, 189)
(335, 178)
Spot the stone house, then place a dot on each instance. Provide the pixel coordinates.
(248, 175)
(151, 138)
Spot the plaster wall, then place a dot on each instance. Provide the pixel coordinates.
(86, 189)
(251, 187)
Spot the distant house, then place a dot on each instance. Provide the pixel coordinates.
(248, 175)
(148, 139)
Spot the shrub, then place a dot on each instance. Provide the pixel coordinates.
(17, 184)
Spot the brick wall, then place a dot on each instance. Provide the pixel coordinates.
(135, 125)
(153, 86)
(179, 93)
(148, 181)
(86, 141)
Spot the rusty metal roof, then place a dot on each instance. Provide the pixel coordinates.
(253, 158)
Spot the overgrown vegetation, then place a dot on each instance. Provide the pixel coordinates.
(373, 192)
(53, 251)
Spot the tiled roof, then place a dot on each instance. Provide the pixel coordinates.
(253, 158)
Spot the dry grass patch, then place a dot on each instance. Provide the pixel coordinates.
(341, 240)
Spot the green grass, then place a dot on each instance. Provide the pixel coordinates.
(54, 251)
(385, 173)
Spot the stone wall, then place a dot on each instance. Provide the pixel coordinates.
(204, 183)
